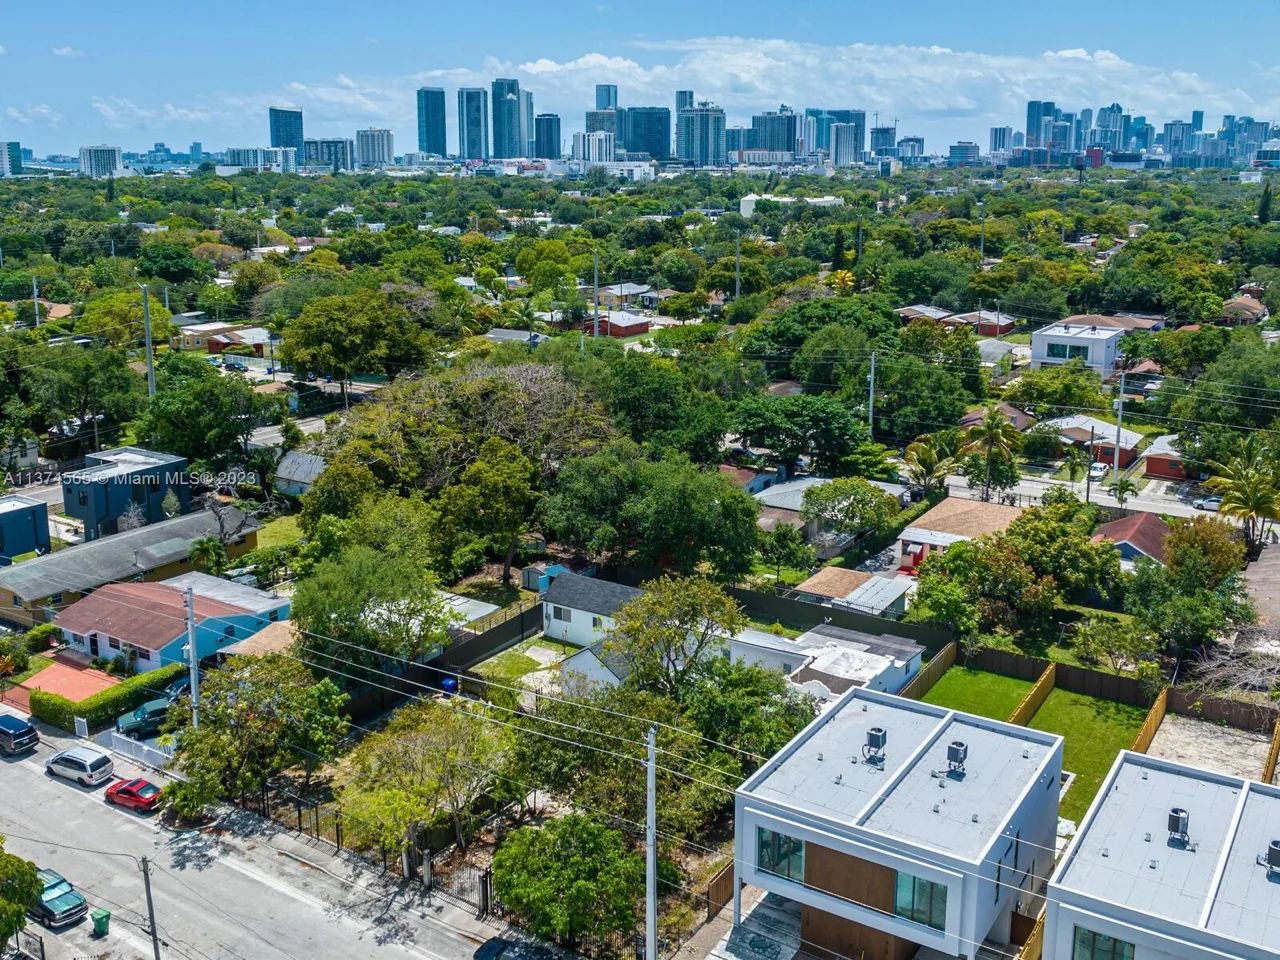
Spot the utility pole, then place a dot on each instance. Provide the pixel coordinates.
(858, 257)
(737, 264)
(1088, 474)
(151, 910)
(651, 852)
(595, 270)
(113, 247)
(193, 658)
(166, 296)
(1115, 458)
(35, 298)
(271, 349)
(871, 396)
(146, 330)
(982, 237)
(1, 258)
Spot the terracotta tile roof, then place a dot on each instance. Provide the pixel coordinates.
(273, 638)
(148, 615)
(834, 582)
(1144, 531)
(961, 517)
(739, 475)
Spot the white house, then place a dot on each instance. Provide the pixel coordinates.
(579, 610)
(1097, 346)
(297, 471)
(1170, 862)
(896, 825)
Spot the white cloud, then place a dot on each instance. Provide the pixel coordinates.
(40, 113)
(72, 53)
(3, 51)
(123, 113)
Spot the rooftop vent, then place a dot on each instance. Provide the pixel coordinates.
(873, 749)
(839, 778)
(1273, 858)
(1179, 821)
(957, 753)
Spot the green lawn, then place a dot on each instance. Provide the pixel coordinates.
(280, 532)
(1095, 731)
(36, 664)
(976, 691)
(492, 590)
(791, 576)
(778, 629)
(510, 665)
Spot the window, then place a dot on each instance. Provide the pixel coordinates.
(83, 498)
(1067, 351)
(1088, 945)
(55, 600)
(139, 493)
(560, 613)
(229, 631)
(273, 615)
(780, 855)
(142, 653)
(113, 643)
(1, 540)
(597, 623)
(921, 901)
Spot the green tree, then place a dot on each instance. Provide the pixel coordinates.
(1203, 550)
(338, 491)
(993, 438)
(117, 318)
(1264, 204)
(569, 878)
(208, 554)
(670, 632)
(20, 888)
(1249, 484)
(926, 466)
(1053, 389)
(1121, 645)
(493, 499)
(747, 706)
(82, 386)
(850, 506)
(785, 546)
(1123, 489)
(819, 427)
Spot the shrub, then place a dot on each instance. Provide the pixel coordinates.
(40, 638)
(103, 707)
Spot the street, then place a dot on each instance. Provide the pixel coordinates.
(248, 890)
(1151, 500)
(271, 436)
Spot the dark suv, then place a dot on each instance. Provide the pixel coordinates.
(16, 735)
(60, 904)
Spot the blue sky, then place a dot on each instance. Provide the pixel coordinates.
(76, 73)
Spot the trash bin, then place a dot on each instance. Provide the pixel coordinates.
(101, 921)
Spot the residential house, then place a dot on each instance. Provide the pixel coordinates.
(951, 521)
(1098, 437)
(842, 587)
(895, 825)
(829, 661)
(258, 339)
(22, 455)
(32, 591)
(1137, 535)
(985, 323)
(195, 336)
(297, 471)
(527, 338)
(618, 323)
(749, 479)
(617, 295)
(1128, 322)
(782, 502)
(653, 299)
(24, 527)
(147, 622)
(1243, 310)
(579, 610)
(1164, 461)
(114, 482)
(1170, 861)
(1098, 347)
(918, 310)
(1021, 420)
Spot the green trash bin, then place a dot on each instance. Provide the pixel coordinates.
(101, 921)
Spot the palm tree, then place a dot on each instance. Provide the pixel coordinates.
(993, 437)
(842, 282)
(1076, 462)
(208, 554)
(926, 466)
(1249, 484)
(1123, 489)
(522, 316)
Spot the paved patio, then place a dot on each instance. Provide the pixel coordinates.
(1263, 578)
(1203, 744)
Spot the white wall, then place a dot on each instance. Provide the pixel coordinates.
(580, 629)
(1153, 937)
(585, 667)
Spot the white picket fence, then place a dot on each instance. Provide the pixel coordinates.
(156, 757)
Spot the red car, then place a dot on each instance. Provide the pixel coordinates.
(136, 794)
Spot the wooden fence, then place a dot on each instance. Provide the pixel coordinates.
(769, 607)
(1035, 697)
(1269, 768)
(1155, 716)
(719, 891)
(1254, 717)
(930, 674)
(1034, 947)
(1008, 663)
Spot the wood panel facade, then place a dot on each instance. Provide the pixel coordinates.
(861, 881)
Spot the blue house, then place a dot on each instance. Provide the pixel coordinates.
(114, 482)
(24, 527)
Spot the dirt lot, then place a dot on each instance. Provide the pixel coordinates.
(1211, 746)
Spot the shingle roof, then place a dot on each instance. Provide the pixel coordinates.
(589, 594)
(967, 518)
(1144, 531)
(122, 556)
(149, 615)
(834, 582)
(300, 467)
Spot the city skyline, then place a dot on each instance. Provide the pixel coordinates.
(943, 93)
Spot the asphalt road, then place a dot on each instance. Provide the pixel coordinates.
(1147, 501)
(228, 896)
(271, 436)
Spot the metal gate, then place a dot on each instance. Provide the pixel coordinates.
(30, 945)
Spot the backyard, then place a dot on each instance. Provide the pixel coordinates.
(977, 691)
(512, 665)
(1095, 730)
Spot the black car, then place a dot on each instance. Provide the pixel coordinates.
(16, 735)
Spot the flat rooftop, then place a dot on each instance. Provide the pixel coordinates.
(1125, 855)
(16, 501)
(119, 463)
(912, 796)
(1079, 331)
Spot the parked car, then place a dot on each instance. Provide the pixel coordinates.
(84, 765)
(145, 721)
(16, 735)
(135, 794)
(1208, 503)
(60, 904)
(178, 689)
(1097, 471)
(235, 365)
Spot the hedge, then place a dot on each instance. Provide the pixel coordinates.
(102, 708)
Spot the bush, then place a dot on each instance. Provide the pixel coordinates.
(102, 708)
(14, 656)
(40, 638)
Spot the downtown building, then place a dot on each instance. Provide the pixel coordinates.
(10, 158)
(546, 137)
(846, 144)
(700, 135)
(512, 120)
(375, 147)
(645, 130)
(286, 128)
(473, 123)
(336, 153)
(431, 121)
(100, 162)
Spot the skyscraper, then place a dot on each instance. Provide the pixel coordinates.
(646, 130)
(10, 158)
(431, 136)
(884, 141)
(700, 136)
(100, 161)
(606, 96)
(196, 150)
(602, 121)
(595, 147)
(526, 123)
(684, 100)
(1001, 139)
(1037, 112)
(546, 137)
(375, 147)
(334, 153)
(286, 128)
(774, 131)
(1197, 121)
(506, 118)
(473, 123)
(846, 144)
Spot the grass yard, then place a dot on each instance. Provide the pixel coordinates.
(512, 664)
(280, 532)
(791, 576)
(977, 691)
(492, 590)
(1095, 730)
(36, 664)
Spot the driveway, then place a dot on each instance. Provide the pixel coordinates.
(1263, 577)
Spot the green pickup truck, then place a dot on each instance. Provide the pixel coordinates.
(143, 722)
